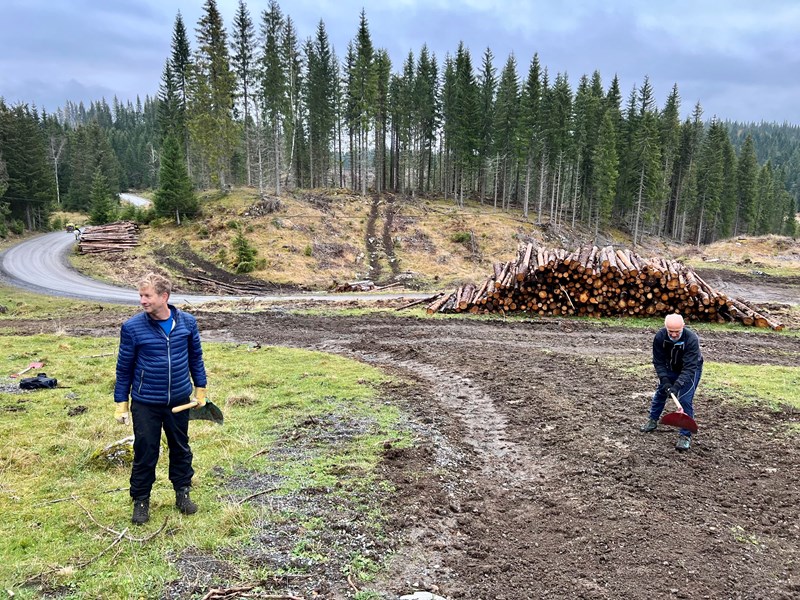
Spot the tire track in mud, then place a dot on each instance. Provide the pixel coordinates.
(484, 429)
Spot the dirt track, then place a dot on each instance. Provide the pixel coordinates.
(530, 478)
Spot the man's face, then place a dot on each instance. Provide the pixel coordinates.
(152, 303)
(674, 331)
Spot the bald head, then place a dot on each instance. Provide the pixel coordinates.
(674, 326)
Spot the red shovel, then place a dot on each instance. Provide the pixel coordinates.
(33, 365)
(679, 418)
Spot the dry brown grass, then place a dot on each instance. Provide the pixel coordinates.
(779, 255)
(318, 237)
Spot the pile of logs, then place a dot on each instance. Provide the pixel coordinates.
(592, 281)
(113, 237)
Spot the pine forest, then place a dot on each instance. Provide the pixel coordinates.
(248, 103)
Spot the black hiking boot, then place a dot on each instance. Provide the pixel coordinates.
(683, 443)
(184, 502)
(141, 510)
(651, 425)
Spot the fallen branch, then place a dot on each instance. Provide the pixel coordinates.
(86, 563)
(73, 497)
(256, 495)
(123, 533)
(219, 593)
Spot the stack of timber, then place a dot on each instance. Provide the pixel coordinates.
(593, 281)
(113, 237)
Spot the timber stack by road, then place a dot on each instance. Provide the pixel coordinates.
(593, 281)
(113, 237)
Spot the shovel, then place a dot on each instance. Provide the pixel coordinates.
(679, 418)
(208, 412)
(33, 365)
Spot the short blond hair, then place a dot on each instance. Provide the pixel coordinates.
(159, 283)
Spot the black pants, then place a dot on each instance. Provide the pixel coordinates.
(148, 421)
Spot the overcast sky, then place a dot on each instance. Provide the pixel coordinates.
(739, 59)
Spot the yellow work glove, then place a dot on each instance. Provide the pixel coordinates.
(121, 413)
(200, 396)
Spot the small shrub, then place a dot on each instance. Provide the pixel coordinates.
(308, 251)
(17, 227)
(461, 237)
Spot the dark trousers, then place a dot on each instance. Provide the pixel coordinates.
(685, 398)
(148, 421)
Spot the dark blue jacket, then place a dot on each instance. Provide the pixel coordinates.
(154, 368)
(680, 358)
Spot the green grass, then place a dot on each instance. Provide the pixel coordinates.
(770, 386)
(26, 305)
(274, 399)
(767, 385)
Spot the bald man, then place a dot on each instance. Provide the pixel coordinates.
(679, 365)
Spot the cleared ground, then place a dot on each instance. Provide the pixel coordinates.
(529, 478)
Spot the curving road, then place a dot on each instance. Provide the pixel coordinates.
(40, 264)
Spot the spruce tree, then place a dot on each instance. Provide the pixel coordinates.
(427, 111)
(30, 190)
(243, 61)
(363, 91)
(605, 171)
(101, 205)
(529, 127)
(320, 99)
(174, 196)
(213, 85)
(487, 84)
(244, 253)
(746, 179)
(505, 125)
(274, 94)
(180, 64)
(383, 71)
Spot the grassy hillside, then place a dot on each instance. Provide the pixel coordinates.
(315, 239)
(318, 238)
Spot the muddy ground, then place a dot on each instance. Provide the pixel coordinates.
(529, 478)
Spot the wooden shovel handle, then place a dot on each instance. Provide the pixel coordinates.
(186, 406)
(674, 399)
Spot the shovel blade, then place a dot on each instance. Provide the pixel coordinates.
(208, 412)
(680, 420)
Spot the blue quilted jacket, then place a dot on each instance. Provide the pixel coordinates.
(154, 368)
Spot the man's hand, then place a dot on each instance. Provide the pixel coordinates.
(674, 389)
(121, 413)
(664, 384)
(200, 396)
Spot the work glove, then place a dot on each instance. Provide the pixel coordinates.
(121, 413)
(665, 384)
(674, 389)
(200, 396)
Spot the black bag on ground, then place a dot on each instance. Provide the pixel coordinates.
(40, 382)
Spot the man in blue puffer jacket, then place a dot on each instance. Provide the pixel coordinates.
(679, 365)
(159, 358)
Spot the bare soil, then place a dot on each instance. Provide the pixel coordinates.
(529, 477)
